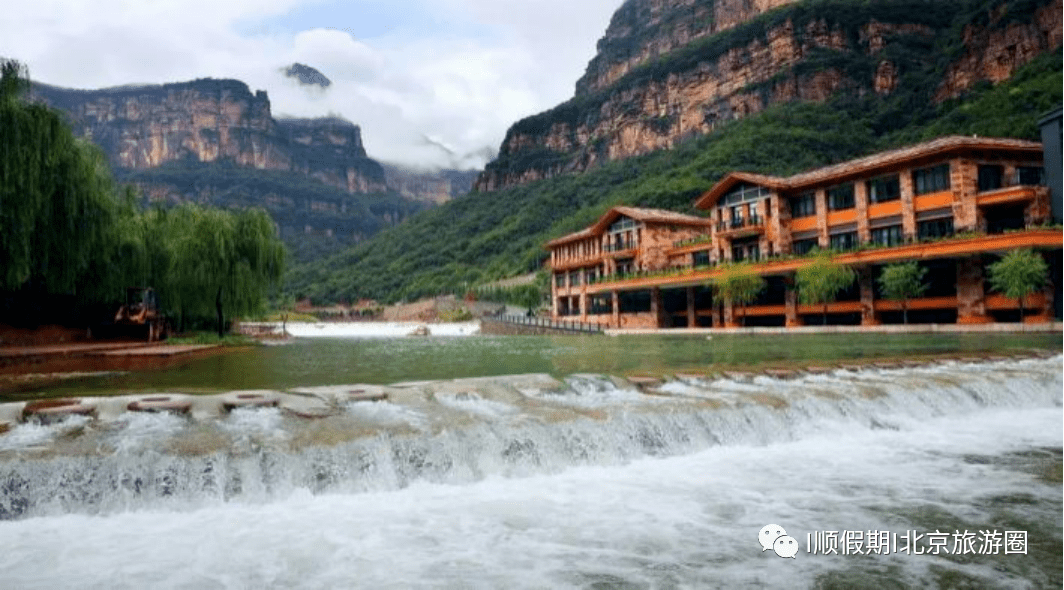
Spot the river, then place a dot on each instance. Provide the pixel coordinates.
(536, 474)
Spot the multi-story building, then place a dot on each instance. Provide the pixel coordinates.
(955, 204)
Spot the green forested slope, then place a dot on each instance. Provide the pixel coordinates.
(484, 236)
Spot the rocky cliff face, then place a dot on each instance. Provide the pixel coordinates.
(213, 121)
(671, 69)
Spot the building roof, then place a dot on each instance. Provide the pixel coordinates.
(637, 213)
(866, 165)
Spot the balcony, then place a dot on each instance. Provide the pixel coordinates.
(623, 246)
(738, 228)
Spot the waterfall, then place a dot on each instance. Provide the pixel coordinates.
(464, 431)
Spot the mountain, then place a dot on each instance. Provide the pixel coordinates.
(434, 186)
(845, 78)
(214, 141)
(669, 70)
(306, 75)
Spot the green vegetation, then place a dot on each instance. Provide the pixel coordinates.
(71, 240)
(903, 281)
(821, 281)
(200, 338)
(738, 285)
(482, 237)
(1018, 274)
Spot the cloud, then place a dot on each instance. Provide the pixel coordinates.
(458, 71)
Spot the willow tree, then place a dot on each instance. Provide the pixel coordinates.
(57, 199)
(903, 281)
(820, 281)
(1018, 274)
(222, 262)
(738, 284)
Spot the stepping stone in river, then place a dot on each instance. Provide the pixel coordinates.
(160, 403)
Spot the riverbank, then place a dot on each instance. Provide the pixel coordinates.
(997, 328)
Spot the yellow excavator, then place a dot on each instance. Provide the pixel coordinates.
(141, 314)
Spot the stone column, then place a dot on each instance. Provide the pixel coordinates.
(869, 317)
(583, 305)
(908, 209)
(729, 316)
(692, 317)
(790, 300)
(964, 182)
(971, 300)
(656, 308)
(822, 219)
(860, 198)
(616, 302)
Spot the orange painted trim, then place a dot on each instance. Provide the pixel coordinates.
(1008, 195)
(997, 301)
(760, 310)
(803, 224)
(916, 304)
(884, 209)
(841, 217)
(836, 307)
(974, 319)
(1038, 238)
(933, 201)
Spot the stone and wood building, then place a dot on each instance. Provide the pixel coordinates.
(955, 204)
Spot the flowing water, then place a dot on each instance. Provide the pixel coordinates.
(555, 479)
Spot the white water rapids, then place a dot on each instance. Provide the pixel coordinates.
(524, 482)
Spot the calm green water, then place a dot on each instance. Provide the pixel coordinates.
(335, 361)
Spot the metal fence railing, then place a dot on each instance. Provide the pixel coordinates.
(566, 326)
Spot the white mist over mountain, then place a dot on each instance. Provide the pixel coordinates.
(458, 71)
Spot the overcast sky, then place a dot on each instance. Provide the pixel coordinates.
(410, 72)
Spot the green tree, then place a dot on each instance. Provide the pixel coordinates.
(57, 199)
(1018, 274)
(903, 281)
(820, 281)
(739, 285)
(222, 262)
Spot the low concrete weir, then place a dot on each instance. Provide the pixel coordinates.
(112, 454)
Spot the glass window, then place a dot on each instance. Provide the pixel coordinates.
(990, 177)
(803, 247)
(935, 228)
(700, 258)
(1030, 175)
(844, 241)
(803, 205)
(883, 189)
(754, 218)
(559, 280)
(574, 278)
(931, 180)
(840, 197)
(887, 236)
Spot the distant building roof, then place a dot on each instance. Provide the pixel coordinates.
(866, 165)
(637, 213)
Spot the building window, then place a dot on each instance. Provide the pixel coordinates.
(990, 177)
(803, 247)
(746, 251)
(840, 197)
(887, 236)
(844, 241)
(931, 180)
(737, 216)
(883, 189)
(744, 193)
(935, 228)
(625, 266)
(803, 205)
(700, 258)
(590, 276)
(559, 280)
(1030, 175)
(574, 279)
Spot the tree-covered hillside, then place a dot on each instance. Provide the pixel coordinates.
(485, 236)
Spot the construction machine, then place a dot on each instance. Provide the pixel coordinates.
(141, 314)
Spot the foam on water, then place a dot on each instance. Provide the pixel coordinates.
(513, 482)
